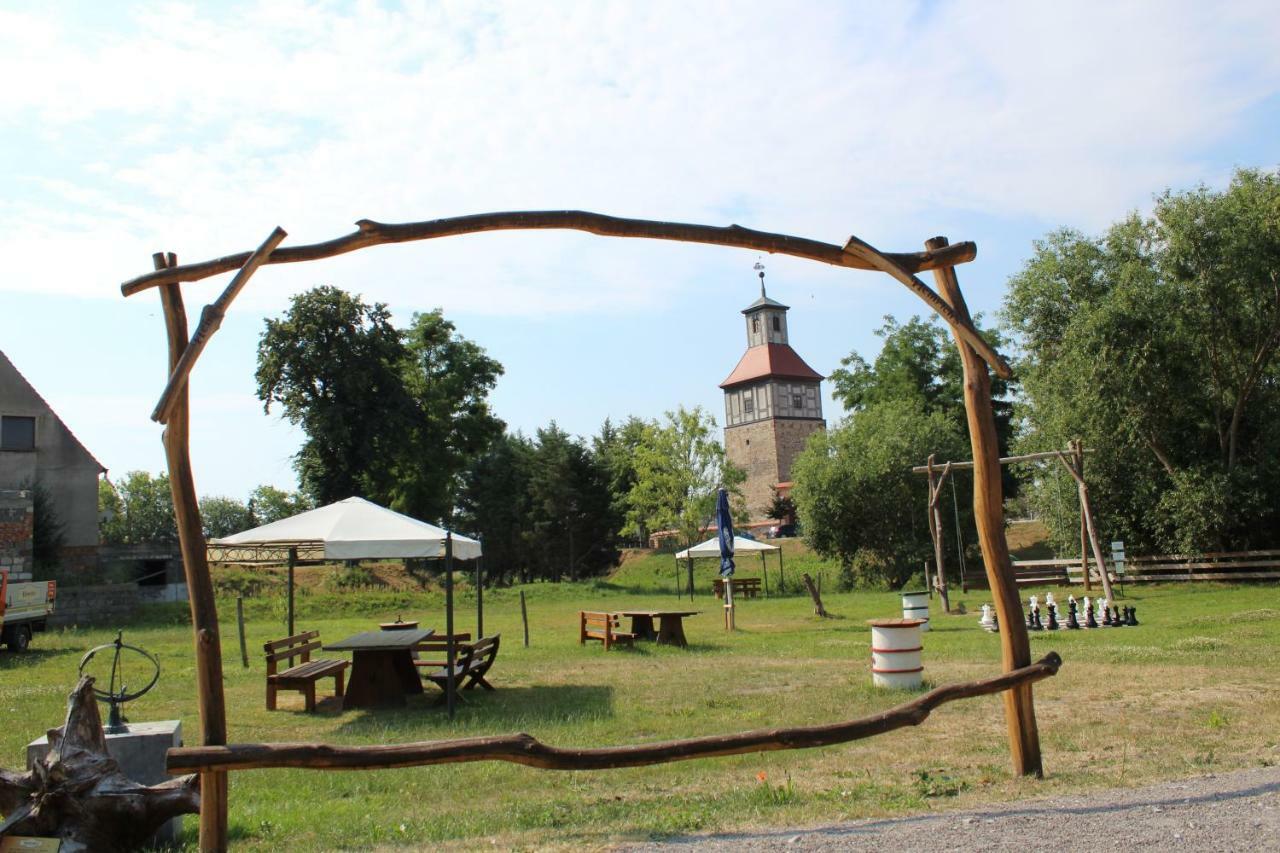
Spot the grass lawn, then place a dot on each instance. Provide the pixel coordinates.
(1190, 691)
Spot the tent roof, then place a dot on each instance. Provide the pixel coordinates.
(711, 548)
(356, 529)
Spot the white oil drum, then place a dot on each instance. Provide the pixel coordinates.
(895, 653)
(915, 605)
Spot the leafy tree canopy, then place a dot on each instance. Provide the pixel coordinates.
(390, 415)
(1156, 343)
(138, 509)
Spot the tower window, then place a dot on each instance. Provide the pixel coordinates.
(797, 401)
(748, 405)
(777, 323)
(755, 324)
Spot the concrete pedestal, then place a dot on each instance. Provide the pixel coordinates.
(140, 753)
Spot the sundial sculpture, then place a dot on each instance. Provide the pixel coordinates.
(116, 723)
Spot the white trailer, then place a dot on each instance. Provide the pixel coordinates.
(24, 609)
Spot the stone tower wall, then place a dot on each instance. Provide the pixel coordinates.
(751, 447)
(791, 437)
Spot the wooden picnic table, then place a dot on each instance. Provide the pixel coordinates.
(382, 670)
(670, 630)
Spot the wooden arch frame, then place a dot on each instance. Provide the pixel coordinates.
(977, 355)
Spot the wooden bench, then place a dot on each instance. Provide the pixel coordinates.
(303, 676)
(744, 587)
(593, 625)
(436, 649)
(470, 666)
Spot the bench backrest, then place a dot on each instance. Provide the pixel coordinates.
(439, 643)
(299, 645)
(484, 650)
(598, 621)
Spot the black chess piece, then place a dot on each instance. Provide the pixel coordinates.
(1106, 617)
(1036, 624)
(1053, 617)
(1031, 619)
(1090, 619)
(1131, 616)
(1116, 621)
(1073, 623)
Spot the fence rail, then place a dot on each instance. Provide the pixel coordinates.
(1157, 568)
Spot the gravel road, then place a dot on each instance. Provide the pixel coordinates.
(1229, 811)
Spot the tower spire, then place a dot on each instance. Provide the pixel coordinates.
(759, 268)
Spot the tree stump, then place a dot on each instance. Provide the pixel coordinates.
(78, 794)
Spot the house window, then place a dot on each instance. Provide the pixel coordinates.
(748, 405)
(797, 401)
(777, 324)
(17, 433)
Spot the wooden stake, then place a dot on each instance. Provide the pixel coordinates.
(204, 608)
(1083, 490)
(1077, 454)
(815, 594)
(988, 512)
(244, 650)
(935, 529)
(524, 617)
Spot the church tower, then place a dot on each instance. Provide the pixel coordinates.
(772, 404)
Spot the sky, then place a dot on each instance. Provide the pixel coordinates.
(129, 128)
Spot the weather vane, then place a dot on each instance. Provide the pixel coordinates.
(759, 268)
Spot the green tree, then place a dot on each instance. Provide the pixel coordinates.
(919, 364)
(1156, 343)
(858, 498)
(140, 509)
(494, 504)
(616, 448)
(679, 467)
(268, 504)
(49, 530)
(223, 516)
(392, 416)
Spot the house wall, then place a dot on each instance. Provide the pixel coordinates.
(16, 519)
(59, 462)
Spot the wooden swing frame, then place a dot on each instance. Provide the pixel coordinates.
(213, 760)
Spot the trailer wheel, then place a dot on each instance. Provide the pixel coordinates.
(20, 638)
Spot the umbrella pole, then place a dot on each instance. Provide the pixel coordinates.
(451, 657)
(293, 561)
(728, 603)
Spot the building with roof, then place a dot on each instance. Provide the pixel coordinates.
(772, 404)
(37, 448)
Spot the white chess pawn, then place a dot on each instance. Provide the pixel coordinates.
(1035, 602)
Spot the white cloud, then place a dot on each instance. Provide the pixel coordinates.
(212, 127)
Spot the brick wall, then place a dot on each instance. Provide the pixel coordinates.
(17, 521)
(765, 450)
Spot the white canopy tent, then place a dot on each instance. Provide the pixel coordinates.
(351, 529)
(711, 548)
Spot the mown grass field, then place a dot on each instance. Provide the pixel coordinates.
(1190, 691)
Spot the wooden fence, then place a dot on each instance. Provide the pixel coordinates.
(1160, 568)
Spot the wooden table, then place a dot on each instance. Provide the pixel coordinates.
(670, 625)
(382, 670)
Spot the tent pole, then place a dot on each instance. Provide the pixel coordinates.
(451, 657)
(293, 561)
(764, 572)
(782, 582)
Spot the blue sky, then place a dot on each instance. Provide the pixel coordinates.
(127, 128)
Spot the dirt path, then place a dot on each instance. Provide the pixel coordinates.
(1227, 812)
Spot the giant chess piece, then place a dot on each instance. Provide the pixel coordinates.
(1131, 616)
(1073, 624)
(1036, 624)
(1053, 617)
(988, 620)
(1106, 615)
(1117, 621)
(1031, 619)
(1090, 620)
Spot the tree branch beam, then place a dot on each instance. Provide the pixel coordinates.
(210, 321)
(527, 750)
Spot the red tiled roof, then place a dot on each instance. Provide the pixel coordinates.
(770, 361)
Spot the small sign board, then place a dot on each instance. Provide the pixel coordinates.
(29, 845)
(1117, 555)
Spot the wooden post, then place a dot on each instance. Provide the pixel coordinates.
(1077, 454)
(988, 512)
(1086, 511)
(244, 651)
(524, 617)
(679, 594)
(815, 594)
(729, 624)
(451, 649)
(293, 561)
(204, 608)
(935, 530)
(480, 595)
